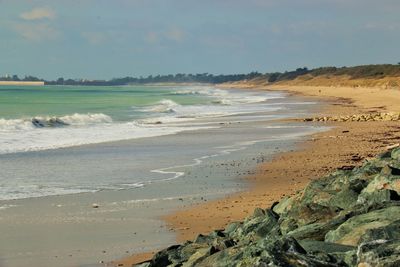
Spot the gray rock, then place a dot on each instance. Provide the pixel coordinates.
(350, 232)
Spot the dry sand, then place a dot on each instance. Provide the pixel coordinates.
(347, 144)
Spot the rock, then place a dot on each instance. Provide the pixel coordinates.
(391, 116)
(384, 187)
(379, 253)
(52, 122)
(350, 232)
(256, 226)
(283, 206)
(312, 246)
(388, 232)
(395, 154)
(196, 257)
(317, 231)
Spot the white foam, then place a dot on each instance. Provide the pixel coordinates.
(170, 117)
(37, 139)
(13, 125)
(31, 191)
(4, 207)
(229, 97)
(84, 119)
(25, 124)
(205, 91)
(164, 120)
(162, 106)
(223, 101)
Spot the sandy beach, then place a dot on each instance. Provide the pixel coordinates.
(346, 144)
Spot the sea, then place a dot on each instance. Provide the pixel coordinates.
(71, 116)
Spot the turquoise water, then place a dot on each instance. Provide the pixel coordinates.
(58, 140)
(117, 102)
(51, 117)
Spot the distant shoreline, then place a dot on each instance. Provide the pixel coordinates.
(25, 83)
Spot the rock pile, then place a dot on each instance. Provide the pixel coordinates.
(348, 218)
(390, 116)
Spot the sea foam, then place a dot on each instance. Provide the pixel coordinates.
(163, 117)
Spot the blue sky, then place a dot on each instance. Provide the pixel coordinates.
(102, 39)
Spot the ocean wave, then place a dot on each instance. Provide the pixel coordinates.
(164, 120)
(37, 139)
(160, 118)
(162, 106)
(25, 124)
(186, 92)
(34, 191)
(222, 101)
(85, 119)
(243, 100)
(206, 91)
(252, 99)
(15, 124)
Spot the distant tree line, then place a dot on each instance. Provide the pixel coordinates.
(15, 78)
(177, 78)
(357, 72)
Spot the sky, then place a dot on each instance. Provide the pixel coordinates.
(104, 39)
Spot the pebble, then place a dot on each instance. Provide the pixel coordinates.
(388, 116)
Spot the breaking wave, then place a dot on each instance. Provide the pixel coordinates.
(201, 91)
(162, 106)
(85, 119)
(48, 121)
(159, 118)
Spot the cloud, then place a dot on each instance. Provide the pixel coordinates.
(382, 26)
(38, 14)
(152, 37)
(37, 32)
(94, 38)
(175, 34)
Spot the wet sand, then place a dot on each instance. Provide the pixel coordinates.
(346, 144)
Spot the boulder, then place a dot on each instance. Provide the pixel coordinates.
(379, 253)
(350, 232)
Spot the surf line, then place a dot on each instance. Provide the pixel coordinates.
(226, 150)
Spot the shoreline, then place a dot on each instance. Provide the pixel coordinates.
(347, 143)
(100, 227)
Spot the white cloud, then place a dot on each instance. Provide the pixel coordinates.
(175, 34)
(37, 32)
(94, 37)
(39, 13)
(382, 26)
(152, 38)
